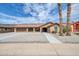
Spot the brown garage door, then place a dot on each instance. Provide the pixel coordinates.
(20, 29)
(30, 29)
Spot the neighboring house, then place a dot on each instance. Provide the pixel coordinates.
(76, 26)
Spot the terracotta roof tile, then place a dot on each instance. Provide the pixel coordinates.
(20, 25)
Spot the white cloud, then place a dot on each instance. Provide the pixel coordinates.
(40, 14)
(75, 12)
(16, 20)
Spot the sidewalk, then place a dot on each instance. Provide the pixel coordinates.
(36, 49)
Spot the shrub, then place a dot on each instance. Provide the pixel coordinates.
(64, 29)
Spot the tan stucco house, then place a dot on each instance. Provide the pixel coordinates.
(48, 27)
(37, 27)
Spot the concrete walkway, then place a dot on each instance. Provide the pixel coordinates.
(51, 38)
(46, 49)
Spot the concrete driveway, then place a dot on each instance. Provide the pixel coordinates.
(28, 37)
(23, 37)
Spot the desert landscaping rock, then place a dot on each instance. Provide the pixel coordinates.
(68, 39)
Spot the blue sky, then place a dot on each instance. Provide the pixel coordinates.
(22, 13)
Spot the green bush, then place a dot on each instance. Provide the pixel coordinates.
(64, 29)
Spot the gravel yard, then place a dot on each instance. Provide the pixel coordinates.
(68, 39)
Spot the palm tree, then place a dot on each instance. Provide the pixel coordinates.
(68, 19)
(60, 18)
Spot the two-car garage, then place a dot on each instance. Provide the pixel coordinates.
(30, 29)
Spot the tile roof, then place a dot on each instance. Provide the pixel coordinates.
(20, 25)
(28, 25)
(77, 22)
(31, 25)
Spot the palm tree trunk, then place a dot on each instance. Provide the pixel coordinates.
(68, 19)
(60, 18)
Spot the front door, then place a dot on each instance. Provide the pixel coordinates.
(44, 30)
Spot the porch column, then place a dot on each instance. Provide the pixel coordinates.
(33, 29)
(14, 29)
(26, 29)
(40, 29)
(48, 29)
